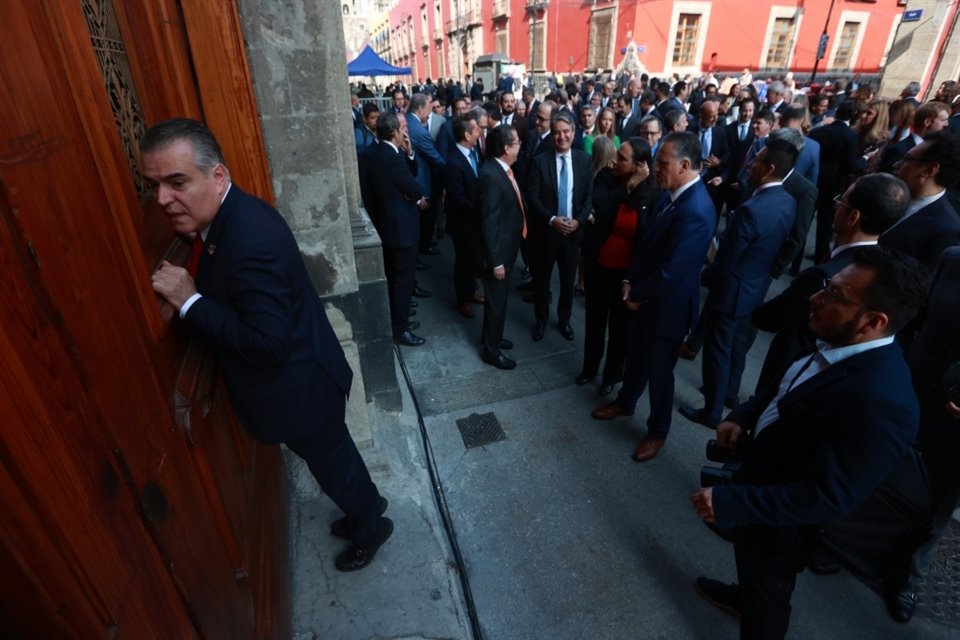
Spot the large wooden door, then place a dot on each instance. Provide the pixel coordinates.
(133, 504)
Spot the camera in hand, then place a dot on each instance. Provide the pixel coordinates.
(711, 476)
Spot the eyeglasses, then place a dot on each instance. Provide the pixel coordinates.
(838, 202)
(649, 134)
(832, 294)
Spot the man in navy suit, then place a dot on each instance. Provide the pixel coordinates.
(463, 219)
(739, 277)
(397, 201)
(662, 289)
(559, 195)
(254, 304)
(931, 224)
(503, 226)
(816, 445)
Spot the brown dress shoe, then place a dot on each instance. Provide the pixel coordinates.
(610, 411)
(686, 352)
(476, 299)
(465, 310)
(648, 450)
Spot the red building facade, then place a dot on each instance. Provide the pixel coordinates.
(442, 38)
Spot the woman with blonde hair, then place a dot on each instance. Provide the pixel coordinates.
(901, 118)
(604, 153)
(873, 126)
(607, 125)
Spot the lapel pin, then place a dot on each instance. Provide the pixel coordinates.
(211, 248)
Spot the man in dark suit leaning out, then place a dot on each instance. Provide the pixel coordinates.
(247, 294)
(818, 443)
(503, 226)
(559, 195)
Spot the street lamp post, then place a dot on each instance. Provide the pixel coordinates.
(822, 45)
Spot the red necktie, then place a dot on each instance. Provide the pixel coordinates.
(195, 250)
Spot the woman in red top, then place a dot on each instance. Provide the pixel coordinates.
(623, 198)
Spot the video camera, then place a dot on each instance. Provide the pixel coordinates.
(711, 476)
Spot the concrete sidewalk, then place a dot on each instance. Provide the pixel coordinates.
(563, 536)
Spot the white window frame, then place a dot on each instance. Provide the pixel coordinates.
(778, 11)
(687, 6)
(862, 17)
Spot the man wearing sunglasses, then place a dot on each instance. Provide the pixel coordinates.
(816, 444)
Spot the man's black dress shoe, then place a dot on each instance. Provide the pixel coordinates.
(413, 326)
(583, 379)
(422, 266)
(500, 362)
(824, 565)
(725, 596)
(414, 304)
(526, 287)
(699, 416)
(506, 344)
(525, 274)
(421, 293)
(902, 605)
(606, 388)
(537, 333)
(430, 251)
(566, 331)
(340, 528)
(358, 557)
(409, 339)
(411, 313)
(729, 403)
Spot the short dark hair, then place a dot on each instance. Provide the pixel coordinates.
(881, 199)
(370, 107)
(672, 117)
(898, 288)
(686, 146)
(461, 125)
(206, 149)
(928, 110)
(498, 139)
(387, 123)
(493, 110)
(847, 110)
(640, 149)
(944, 148)
(648, 97)
(765, 114)
(791, 112)
(782, 155)
(679, 88)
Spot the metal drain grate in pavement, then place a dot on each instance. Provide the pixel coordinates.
(479, 429)
(939, 592)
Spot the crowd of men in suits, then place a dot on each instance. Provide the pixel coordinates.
(733, 179)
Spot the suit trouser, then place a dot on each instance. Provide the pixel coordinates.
(336, 464)
(768, 560)
(727, 339)
(565, 252)
(400, 264)
(650, 359)
(468, 256)
(428, 223)
(606, 317)
(494, 310)
(824, 224)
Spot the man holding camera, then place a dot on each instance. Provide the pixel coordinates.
(817, 444)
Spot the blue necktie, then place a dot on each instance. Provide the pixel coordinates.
(564, 186)
(473, 160)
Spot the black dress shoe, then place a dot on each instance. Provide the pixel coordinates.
(537, 333)
(824, 565)
(430, 251)
(699, 416)
(411, 313)
(341, 528)
(525, 274)
(506, 344)
(566, 331)
(530, 298)
(421, 293)
(356, 557)
(414, 304)
(725, 596)
(500, 361)
(902, 605)
(422, 266)
(413, 326)
(583, 379)
(606, 389)
(409, 339)
(526, 287)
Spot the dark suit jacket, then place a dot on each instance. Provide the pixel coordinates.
(925, 234)
(804, 194)
(394, 192)
(808, 162)
(719, 148)
(531, 149)
(665, 274)
(739, 277)
(839, 435)
(541, 193)
(501, 218)
(445, 142)
(628, 129)
(461, 184)
(892, 153)
(282, 363)
(427, 158)
(608, 194)
(839, 149)
(738, 149)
